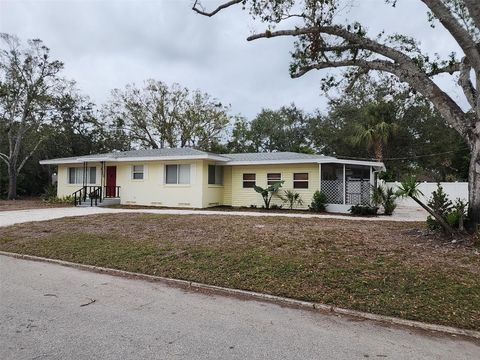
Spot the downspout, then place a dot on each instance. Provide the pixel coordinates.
(344, 187)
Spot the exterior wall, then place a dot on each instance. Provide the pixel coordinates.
(150, 191)
(247, 196)
(66, 189)
(212, 195)
(153, 191)
(454, 190)
(227, 185)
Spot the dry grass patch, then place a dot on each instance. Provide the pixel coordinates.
(27, 203)
(382, 267)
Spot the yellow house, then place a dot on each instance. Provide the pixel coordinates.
(192, 178)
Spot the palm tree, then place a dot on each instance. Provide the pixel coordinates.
(409, 188)
(377, 128)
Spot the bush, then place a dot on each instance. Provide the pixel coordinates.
(385, 197)
(275, 206)
(291, 198)
(56, 200)
(318, 202)
(453, 213)
(363, 210)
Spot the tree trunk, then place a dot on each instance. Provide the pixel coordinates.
(12, 184)
(474, 187)
(446, 227)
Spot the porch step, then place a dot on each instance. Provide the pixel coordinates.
(105, 202)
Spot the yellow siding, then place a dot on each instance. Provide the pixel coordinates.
(153, 191)
(227, 186)
(66, 189)
(212, 194)
(248, 196)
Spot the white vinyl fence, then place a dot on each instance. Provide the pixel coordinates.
(454, 191)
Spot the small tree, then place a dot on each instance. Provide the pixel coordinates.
(318, 201)
(292, 198)
(268, 192)
(385, 197)
(409, 188)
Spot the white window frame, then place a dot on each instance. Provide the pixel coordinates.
(273, 180)
(79, 175)
(301, 181)
(178, 166)
(137, 171)
(254, 181)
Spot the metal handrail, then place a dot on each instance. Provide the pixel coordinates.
(112, 191)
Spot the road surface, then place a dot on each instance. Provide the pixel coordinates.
(42, 317)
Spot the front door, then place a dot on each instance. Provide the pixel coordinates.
(110, 189)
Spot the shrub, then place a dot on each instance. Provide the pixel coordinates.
(363, 210)
(268, 192)
(453, 213)
(385, 197)
(318, 202)
(292, 198)
(275, 206)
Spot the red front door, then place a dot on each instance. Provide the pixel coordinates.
(111, 187)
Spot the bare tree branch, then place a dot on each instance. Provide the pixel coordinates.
(450, 69)
(198, 8)
(459, 33)
(466, 83)
(29, 155)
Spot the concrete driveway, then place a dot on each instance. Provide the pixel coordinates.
(42, 317)
(20, 216)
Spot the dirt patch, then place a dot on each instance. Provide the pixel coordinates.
(27, 203)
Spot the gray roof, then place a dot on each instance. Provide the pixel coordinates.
(274, 156)
(189, 153)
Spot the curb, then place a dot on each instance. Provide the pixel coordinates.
(255, 295)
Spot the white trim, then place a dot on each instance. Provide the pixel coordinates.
(133, 159)
(224, 160)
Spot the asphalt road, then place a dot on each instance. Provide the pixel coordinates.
(42, 317)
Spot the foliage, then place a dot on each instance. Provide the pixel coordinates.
(454, 213)
(29, 82)
(439, 201)
(325, 39)
(268, 192)
(385, 197)
(292, 198)
(157, 116)
(275, 207)
(378, 128)
(318, 202)
(364, 210)
(290, 132)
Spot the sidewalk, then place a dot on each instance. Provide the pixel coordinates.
(8, 218)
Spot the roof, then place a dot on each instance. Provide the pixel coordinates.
(227, 159)
(140, 155)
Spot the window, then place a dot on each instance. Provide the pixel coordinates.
(273, 178)
(215, 175)
(300, 180)
(248, 180)
(137, 172)
(177, 174)
(75, 175)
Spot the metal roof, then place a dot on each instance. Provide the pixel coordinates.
(227, 159)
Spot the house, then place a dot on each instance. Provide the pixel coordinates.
(192, 178)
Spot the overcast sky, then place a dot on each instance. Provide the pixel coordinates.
(106, 44)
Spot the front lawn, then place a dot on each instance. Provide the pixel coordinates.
(28, 203)
(381, 267)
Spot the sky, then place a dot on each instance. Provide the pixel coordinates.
(106, 44)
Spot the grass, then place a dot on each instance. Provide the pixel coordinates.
(28, 203)
(381, 267)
